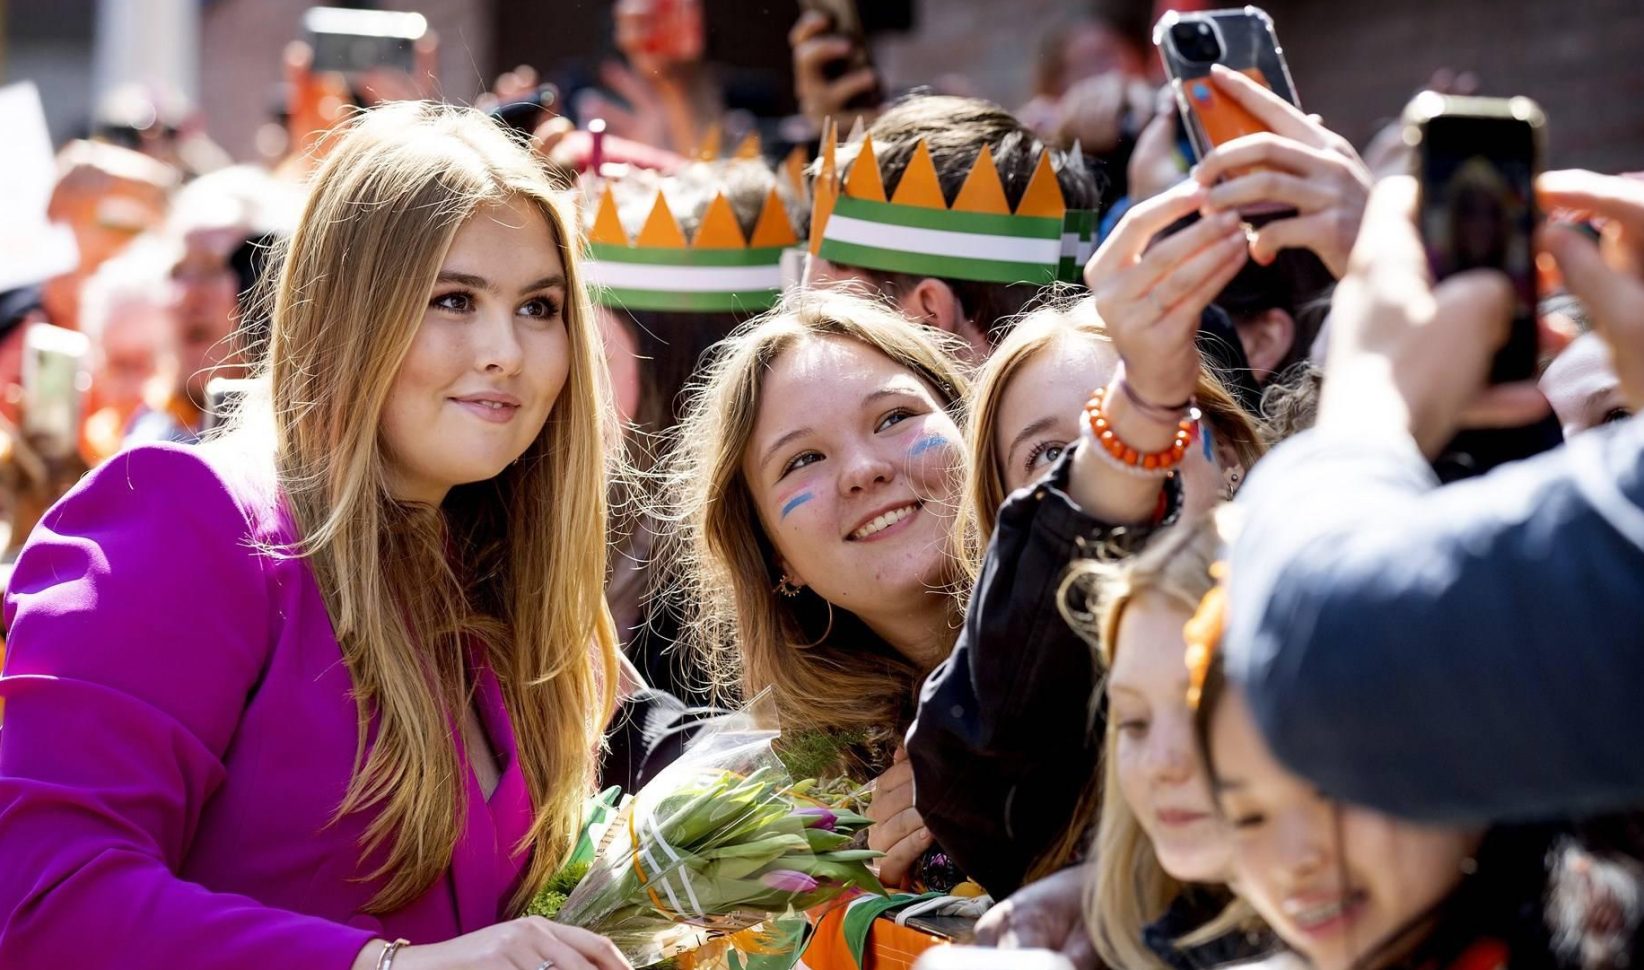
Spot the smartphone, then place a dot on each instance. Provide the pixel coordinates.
(348, 41)
(1242, 40)
(847, 23)
(1476, 160)
(55, 378)
(223, 397)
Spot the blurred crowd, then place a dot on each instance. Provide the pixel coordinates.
(1071, 469)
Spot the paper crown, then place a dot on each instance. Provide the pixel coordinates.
(916, 231)
(719, 270)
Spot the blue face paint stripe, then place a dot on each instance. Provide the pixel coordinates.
(927, 443)
(796, 502)
(1209, 446)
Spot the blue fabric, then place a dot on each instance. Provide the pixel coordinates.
(149, 426)
(1466, 653)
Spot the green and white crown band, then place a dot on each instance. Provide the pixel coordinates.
(987, 247)
(684, 280)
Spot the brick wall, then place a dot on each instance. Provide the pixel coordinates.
(242, 41)
(991, 44)
(1356, 61)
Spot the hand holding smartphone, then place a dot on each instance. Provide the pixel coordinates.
(55, 378)
(1476, 162)
(845, 22)
(352, 42)
(1241, 40)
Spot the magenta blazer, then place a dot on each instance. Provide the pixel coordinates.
(179, 732)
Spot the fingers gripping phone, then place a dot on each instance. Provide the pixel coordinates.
(847, 22)
(1241, 40)
(1476, 161)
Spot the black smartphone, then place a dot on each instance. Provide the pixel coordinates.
(1477, 160)
(349, 41)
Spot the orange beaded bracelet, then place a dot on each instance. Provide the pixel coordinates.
(1146, 464)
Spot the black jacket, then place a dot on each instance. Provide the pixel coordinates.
(1005, 737)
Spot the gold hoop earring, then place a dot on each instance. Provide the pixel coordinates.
(787, 587)
(826, 631)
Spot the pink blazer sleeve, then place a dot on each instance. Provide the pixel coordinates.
(140, 622)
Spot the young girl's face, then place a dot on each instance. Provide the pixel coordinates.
(1041, 410)
(1157, 763)
(1042, 406)
(853, 466)
(1336, 882)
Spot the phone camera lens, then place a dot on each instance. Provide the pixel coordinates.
(1196, 41)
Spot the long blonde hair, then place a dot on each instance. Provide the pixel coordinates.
(513, 565)
(1130, 889)
(1037, 332)
(746, 634)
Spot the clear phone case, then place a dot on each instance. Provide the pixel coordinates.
(1244, 41)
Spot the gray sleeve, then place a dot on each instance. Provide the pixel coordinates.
(1462, 653)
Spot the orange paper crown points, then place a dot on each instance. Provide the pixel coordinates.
(863, 181)
(719, 228)
(919, 185)
(916, 230)
(982, 191)
(661, 229)
(794, 168)
(773, 228)
(826, 190)
(720, 269)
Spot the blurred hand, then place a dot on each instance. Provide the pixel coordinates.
(1299, 164)
(814, 47)
(897, 829)
(1387, 154)
(1407, 357)
(1155, 165)
(1045, 915)
(1150, 293)
(643, 120)
(315, 101)
(521, 943)
(1607, 277)
(1093, 110)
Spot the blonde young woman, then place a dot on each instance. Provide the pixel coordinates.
(1150, 288)
(326, 692)
(1005, 743)
(816, 478)
(1025, 408)
(1157, 896)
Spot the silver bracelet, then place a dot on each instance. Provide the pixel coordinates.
(386, 960)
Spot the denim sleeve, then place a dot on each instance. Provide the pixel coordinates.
(1456, 654)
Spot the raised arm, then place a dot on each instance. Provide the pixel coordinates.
(1469, 652)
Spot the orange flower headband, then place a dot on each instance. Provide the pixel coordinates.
(1203, 634)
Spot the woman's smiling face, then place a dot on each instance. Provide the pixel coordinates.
(853, 466)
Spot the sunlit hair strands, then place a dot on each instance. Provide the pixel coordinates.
(513, 567)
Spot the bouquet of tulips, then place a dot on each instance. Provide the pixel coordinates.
(721, 841)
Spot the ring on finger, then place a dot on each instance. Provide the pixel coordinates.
(546, 965)
(1158, 308)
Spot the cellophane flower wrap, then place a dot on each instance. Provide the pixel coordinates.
(721, 841)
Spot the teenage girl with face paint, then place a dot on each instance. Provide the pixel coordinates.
(815, 479)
